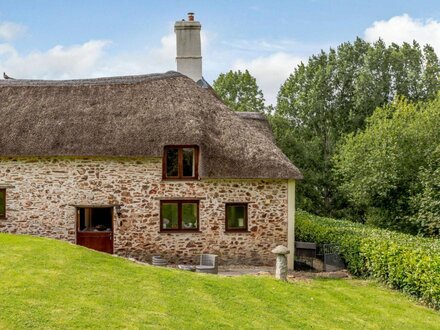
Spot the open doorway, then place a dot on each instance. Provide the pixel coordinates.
(94, 228)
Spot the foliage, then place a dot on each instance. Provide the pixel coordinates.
(48, 284)
(239, 90)
(382, 168)
(332, 95)
(427, 201)
(404, 262)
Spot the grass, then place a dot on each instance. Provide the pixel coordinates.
(48, 284)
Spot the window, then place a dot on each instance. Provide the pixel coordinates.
(180, 162)
(95, 219)
(2, 203)
(179, 215)
(236, 217)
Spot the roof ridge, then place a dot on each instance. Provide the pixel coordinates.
(92, 81)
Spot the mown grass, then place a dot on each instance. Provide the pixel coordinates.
(47, 284)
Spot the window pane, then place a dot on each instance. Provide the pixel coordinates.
(95, 219)
(236, 215)
(102, 219)
(170, 218)
(189, 215)
(172, 162)
(188, 162)
(2, 202)
(84, 219)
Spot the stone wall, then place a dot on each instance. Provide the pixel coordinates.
(43, 190)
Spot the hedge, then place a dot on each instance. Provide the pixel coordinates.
(405, 262)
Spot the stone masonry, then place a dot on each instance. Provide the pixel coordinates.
(41, 192)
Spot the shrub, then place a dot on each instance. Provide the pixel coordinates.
(405, 262)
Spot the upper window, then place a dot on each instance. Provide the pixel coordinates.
(179, 215)
(180, 162)
(2, 203)
(236, 217)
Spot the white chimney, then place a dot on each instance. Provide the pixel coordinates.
(189, 50)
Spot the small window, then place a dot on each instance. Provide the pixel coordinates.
(2, 203)
(95, 219)
(236, 217)
(179, 215)
(180, 162)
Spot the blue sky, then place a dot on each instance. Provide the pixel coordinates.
(74, 39)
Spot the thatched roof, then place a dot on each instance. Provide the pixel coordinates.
(135, 116)
(258, 121)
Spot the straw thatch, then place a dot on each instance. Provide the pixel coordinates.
(136, 116)
(258, 121)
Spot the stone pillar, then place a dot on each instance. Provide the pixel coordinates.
(281, 265)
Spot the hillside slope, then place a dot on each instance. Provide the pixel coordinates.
(48, 284)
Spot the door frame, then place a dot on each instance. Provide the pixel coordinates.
(77, 221)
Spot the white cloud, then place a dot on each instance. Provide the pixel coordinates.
(90, 59)
(270, 71)
(10, 30)
(59, 62)
(144, 61)
(404, 28)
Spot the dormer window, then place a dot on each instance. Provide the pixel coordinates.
(180, 162)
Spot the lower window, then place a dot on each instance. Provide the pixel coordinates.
(2, 203)
(95, 219)
(179, 215)
(236, 217)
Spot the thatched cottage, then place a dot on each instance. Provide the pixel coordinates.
(144, 165)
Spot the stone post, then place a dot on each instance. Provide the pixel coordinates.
(281, 266)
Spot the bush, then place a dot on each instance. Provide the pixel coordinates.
(405, 262)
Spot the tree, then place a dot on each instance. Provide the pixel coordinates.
(239, 90)
(390, 169)
(332, 95)
(426, 203)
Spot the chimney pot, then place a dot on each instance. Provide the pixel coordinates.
(191, 17)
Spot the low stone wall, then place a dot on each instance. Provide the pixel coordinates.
(43, 190)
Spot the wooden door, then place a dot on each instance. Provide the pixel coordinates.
(95, 228)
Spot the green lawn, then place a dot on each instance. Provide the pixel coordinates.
(49, 284)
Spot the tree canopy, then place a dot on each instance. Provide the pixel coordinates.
(391, 169)
(332, 95)
(239, 90)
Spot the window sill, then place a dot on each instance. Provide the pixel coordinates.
(196, 231)
(237, 231)
(180, 180)
(179, 198)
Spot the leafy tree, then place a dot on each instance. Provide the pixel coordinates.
(239, 90)
(431, 74)
(390, 169)
(427, 201)
(332, 95)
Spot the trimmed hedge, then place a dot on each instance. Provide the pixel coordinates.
(404, 262)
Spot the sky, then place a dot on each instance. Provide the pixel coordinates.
(49, 39)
